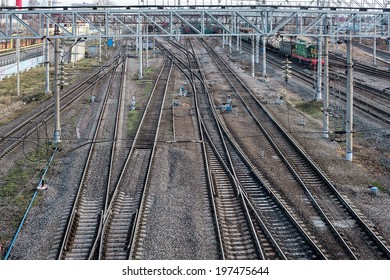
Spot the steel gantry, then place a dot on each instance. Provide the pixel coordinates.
(258, 20)
(327, 20)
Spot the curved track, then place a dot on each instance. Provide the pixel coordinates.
(253, 223)
(325, 195)
(18, 133)
(368, 100)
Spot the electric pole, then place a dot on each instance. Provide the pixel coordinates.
(325, 106)
(319, 67)
(57, 121)
(349, 117)
(17, 41)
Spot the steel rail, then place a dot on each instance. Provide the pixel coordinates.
(370, 107)
(77, 201)
(93, 79)
(200, 124)
(132, 244)
(112, 157)
(229, 169)
(243, 190)
(191, 77)
(104, 233)
(292, 142)
(249, 206)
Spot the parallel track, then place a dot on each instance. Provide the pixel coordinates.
(122, 230)
(385, 55)
(247, 225)
(366, 241)
(40, 117)
(85, 218)
(337, 61)
(236, 230)
(368, 100)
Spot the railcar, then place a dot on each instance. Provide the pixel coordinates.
(245, 33)
(188, 29)
(287, 48)
(212, 29)
(305, 53)
(273, 44)
(299, 51)
(209, 28)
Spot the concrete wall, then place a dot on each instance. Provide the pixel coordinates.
(11, 69)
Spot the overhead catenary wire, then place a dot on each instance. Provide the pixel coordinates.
(38, 145)
(331, 131)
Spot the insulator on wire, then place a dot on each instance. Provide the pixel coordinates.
(287, 70)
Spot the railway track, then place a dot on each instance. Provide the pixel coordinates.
(383, 55)
(245, 220)
(237, 229)
(337, 61)
(85, 218)
(360, 239)
(239, 233)
(7, 58)
(262, 225)
(368, 106)
(122, 230)
(281, 236)
(252, 220)
(17, 133)
(368, 100)
(238, 239)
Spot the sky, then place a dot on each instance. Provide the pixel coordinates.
(184, 2)
(197, 2)
(150, 2)
(171, 2)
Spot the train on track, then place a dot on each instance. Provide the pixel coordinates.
(208, 29)
(298, 50)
